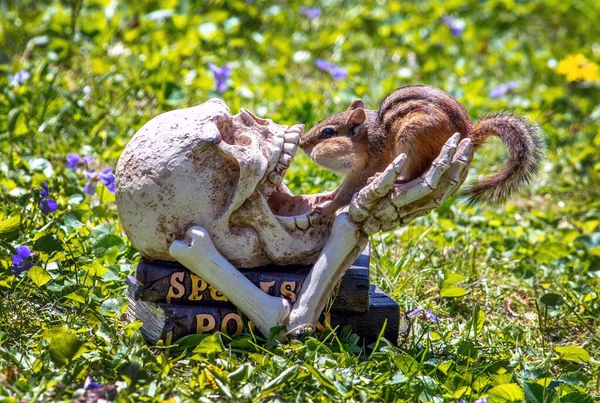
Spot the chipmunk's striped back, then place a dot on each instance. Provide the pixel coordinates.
(419, 119)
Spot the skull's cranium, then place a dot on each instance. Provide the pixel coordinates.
(203, 166)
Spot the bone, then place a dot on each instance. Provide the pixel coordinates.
(344, 244)
(292, 137)
(290, 148)
(386, 213)
(286, 159)
(302, 222)
(407, 193)
(275, 178)
(198, 253)
(278, 142)
(356, 212)
(288, 222)
(381, 185)
(281, 168)
(371, 225)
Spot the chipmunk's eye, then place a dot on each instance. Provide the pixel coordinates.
(328, 132)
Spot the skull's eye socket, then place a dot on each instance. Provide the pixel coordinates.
(327, 133)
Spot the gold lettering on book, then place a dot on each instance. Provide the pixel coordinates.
(216, 294)
(266, 285)
(177, 289)
(238, 323)
(198, 285)
(205, 323)
(287, 290)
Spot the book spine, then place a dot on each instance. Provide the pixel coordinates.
(166, 282)
(170, 322)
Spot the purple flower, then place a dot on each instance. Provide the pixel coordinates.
(424, 314)
(429, 315)
(106, 176)
(503, 89)
(93, 385)
(336, 72)
(108, 179)
(310, 12)
(21, 261)
(90, 186)
(456, 26)
(47, 205)
(19, 78)
(74, 159)
(221, 75)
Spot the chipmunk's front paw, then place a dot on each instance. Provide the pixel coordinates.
(326, 213)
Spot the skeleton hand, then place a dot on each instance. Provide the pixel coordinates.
(383, 205)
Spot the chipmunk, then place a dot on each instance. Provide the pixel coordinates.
(418, 120)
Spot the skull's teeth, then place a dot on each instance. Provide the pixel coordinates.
(281, 168)
(300, 222)
(285, 159)
(290, 148)
(292, 137)
(287, 222)
(275, 178)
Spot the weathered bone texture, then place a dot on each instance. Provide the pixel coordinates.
(203, 187)
(203, 166)
(198, 254)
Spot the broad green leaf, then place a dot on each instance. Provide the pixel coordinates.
(64, 345)
(48, 244)
(451, 279)
(9, 226)
(95, 269)
(452, 292)
(285, 376)
(508, 392)
(576, 397)
(573, 353)
(75, 297)
(111, 306)
(39, 276)
(552, 300)
(407, 364)
(210, 345)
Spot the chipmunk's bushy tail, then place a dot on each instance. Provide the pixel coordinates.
(526, 149)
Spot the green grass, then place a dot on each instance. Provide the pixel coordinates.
(527, 324)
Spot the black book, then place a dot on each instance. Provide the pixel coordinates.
(170, 282)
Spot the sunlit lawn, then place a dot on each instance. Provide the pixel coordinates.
(522, 321)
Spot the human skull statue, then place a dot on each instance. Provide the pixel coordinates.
(203, 166)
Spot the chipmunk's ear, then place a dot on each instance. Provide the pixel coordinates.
(357, 103)
(357, 117)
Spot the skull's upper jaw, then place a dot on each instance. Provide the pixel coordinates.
(291, 211)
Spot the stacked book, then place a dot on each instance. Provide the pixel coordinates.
(172, 302)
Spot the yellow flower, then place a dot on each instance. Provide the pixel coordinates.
(577, 67)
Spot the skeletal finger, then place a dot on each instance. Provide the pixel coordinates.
(385, 212)
(384, 182)
(465, 151)
(407, 193)
(356, 212)
(457, 173)
(442, 162)
(371, 225)
(381, 185)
